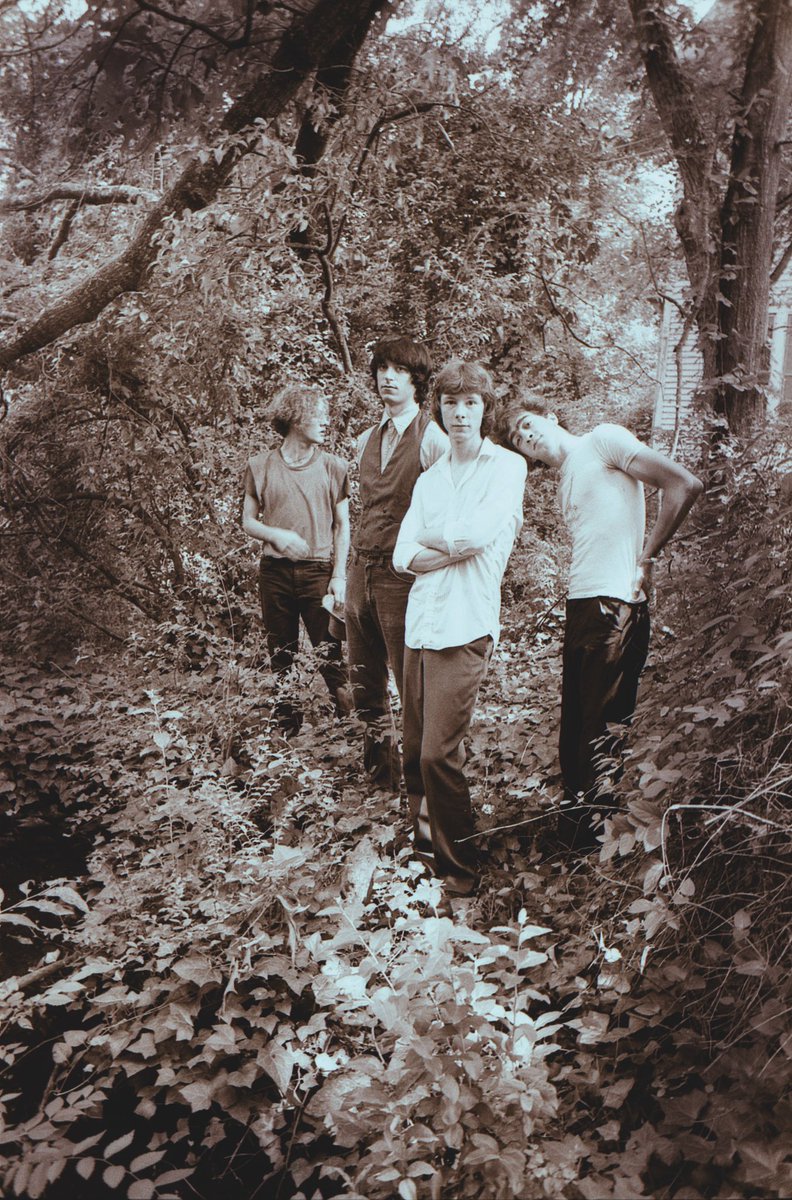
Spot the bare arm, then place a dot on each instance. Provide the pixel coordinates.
(680, 490)
(286, 542)
(340, 549)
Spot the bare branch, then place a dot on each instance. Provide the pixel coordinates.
(781, 265)
(556, 311)
(300, 51)
(390, 117)
(666, 296)
(230, 43)
(130, 16)
(328, 299)
(81, 193)
(63, 229)
(182, 42)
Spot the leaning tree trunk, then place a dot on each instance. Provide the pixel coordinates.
(748, 217)
(302, 49)
(693, 145)
(726, 239)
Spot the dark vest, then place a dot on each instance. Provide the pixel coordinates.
(385, 495)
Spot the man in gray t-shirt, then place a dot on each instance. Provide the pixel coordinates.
(606, 633)
(297, 505)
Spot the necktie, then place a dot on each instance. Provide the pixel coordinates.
(388, 443)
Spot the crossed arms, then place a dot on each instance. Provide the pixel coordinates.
(443, 526)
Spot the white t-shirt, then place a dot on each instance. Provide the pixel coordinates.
(605, 512)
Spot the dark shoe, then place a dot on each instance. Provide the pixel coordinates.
(288, 717)
(344, 704)
(551, 848)
(575, 832)
(458, 886)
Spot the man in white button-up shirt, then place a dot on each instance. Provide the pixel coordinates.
(455, 538)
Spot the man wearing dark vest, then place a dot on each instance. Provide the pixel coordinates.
(391, 455)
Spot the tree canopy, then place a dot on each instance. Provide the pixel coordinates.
(172, 257)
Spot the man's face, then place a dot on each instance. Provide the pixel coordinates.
(314, 423)
(462, 416)
(395, 387)
(536, 437)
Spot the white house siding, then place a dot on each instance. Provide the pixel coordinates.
(779, 330)
(674, 390)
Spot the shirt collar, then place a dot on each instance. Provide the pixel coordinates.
(405, 418)
(486, 450)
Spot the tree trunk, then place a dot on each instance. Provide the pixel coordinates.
(748, 216)
(302, 49)
(727, 242)
(696, 218)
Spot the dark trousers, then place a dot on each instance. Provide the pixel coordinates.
(290, 591)
(376, 601)
(440, 688)
(605, 646)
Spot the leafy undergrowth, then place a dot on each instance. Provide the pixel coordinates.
(232, 979)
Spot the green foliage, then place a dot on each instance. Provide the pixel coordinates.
(474, 208)
(237, 989)
(209, 995)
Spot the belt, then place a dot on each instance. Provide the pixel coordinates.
(295, 562)
(375, 556)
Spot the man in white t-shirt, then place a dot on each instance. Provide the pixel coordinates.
(455, 538)
(606, 635)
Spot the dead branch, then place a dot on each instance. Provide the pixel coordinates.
(301, 49)
(79, 193)
(781, 265)
(325, 256)
(562, 318)
(63, 229)
(237, 43)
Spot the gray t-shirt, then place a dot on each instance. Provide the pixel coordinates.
(605, 512)
(300, 498)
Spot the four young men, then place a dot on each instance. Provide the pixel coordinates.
(440, 508)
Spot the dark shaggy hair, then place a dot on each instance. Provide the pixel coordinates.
(292, 404)
(509, 414)
(458, 377)
(409, 355)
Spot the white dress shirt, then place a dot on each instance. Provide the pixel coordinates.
(434, 442)
(482, 513)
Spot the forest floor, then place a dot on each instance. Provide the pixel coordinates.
(229, 977)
